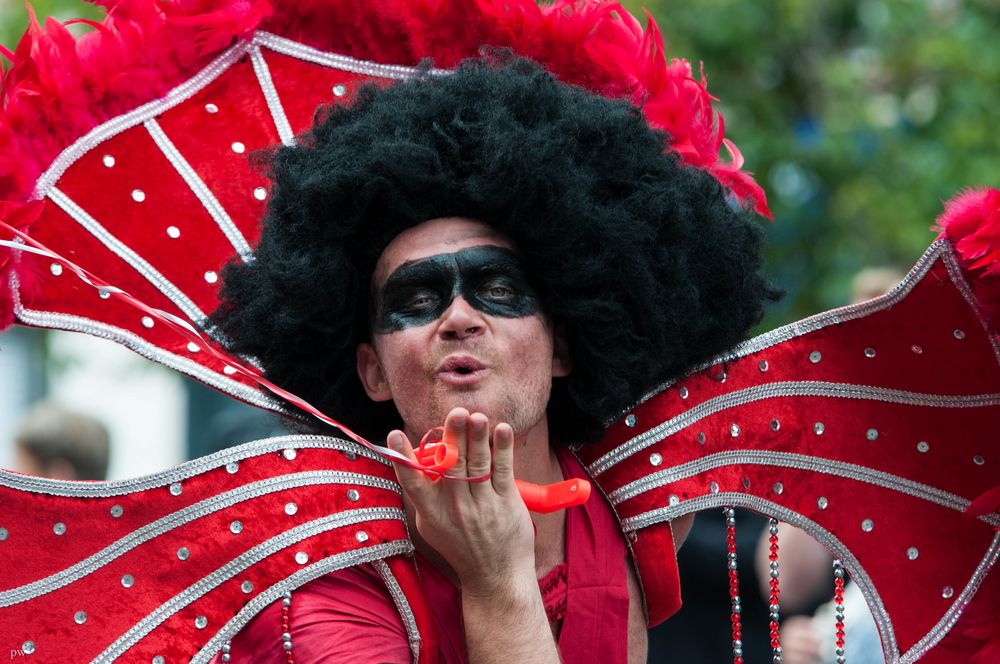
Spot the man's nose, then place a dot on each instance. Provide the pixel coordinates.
(460, 321)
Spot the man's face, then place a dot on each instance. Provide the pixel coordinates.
(455, 323)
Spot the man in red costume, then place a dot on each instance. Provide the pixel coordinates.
(452, 242)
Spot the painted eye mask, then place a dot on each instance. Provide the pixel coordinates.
(490, 279)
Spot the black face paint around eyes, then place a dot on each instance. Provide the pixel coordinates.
(490, 279)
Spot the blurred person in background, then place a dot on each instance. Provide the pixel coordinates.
(60, 444)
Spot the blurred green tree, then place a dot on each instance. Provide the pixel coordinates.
(859, 118)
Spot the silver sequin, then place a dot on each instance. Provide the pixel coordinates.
(236, 527)
(201, 622)
(822, 502)
(734, 430)
(291, 508)
(353, 495)
(59, 528)
(871, 434)
(80, 617)
(148, 322)
(819, 428)
(867, 525)
(232, 467)
(176, 489)
(247, 587)
(361, 536)
(683, 392)
(238, 147)
(173, 232)
(211, 108)
(103, 293)
(28, 647)
(108, 160)
(289, 454)
(947, 592)
(128, 581)
(117, 511)
(762, 365)
(159, 660)
(183, 553)
(912, 553)
(4, 534)
(923, 446)
(713, 487)
(959, 334)
(138, 195)
(192, 347)
(655, 459)
(260, 193)
(630, 420)
(228, 370)
(302, 557)
(869, 352)
(56, 269)
(978, 460)
(211, 277)
(701, 437)
(779, 488)
(815, 356)
(917, 350)
(746, 482)
(673, 500)
(340, 90)
(775, 425)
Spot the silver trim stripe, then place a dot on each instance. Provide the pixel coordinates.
(402, 605)
(107, 489)
(816, 531)
(799, 462)
(137, 116)
(332, 60)
(266, 83)
(785, 389)
(296, 580)
(138, 263)
(949, 619)
(182, 517)
(73, 323)
(193, 85)
(237, 565)
(957, 278)
(816, 322)
(200, 190)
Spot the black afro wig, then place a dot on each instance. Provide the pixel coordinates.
(641, 261)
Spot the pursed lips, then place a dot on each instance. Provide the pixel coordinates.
(461, 370)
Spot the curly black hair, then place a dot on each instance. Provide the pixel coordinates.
(642, 262)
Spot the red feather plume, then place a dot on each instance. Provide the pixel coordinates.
(971, 222)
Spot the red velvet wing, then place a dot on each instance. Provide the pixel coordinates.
(174, 564)
(872, 427)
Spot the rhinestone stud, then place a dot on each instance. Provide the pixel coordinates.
(867, 525)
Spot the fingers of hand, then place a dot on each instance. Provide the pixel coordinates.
(478, 445)
(503, 458)
(456, 426)
(413, 481)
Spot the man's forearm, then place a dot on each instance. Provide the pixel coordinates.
(508, 624)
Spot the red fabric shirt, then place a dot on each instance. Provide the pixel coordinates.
(349, 616)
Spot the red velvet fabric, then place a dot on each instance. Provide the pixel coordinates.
(350, 616)
(32, 551)
(902, 459)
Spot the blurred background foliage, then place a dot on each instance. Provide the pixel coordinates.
(859, 117)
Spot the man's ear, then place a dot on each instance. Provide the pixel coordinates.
(371, 375)
(562, 363)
